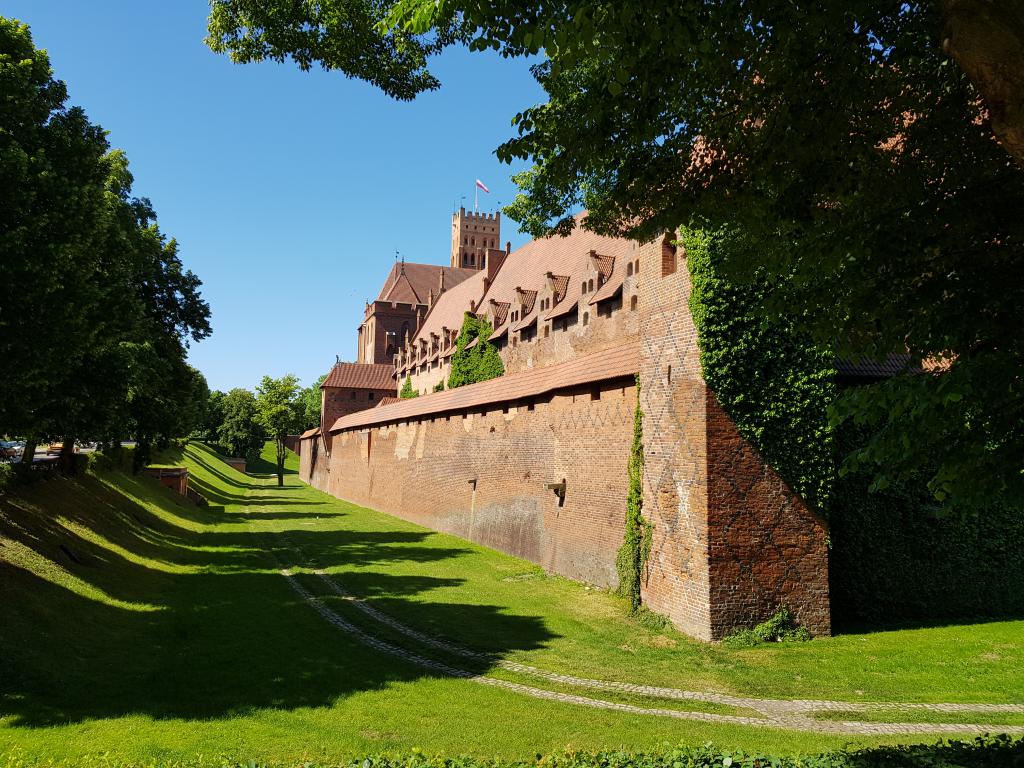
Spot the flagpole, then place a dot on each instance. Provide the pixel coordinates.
(476, 198)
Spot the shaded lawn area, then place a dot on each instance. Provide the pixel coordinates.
(136, 623)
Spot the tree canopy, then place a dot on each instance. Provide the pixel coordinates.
(96, 308)
(870, 149)
(278, 410)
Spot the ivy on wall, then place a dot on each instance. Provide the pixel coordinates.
(775, 385)
(480, 362)
(636, 545)
(407, 391)
(896, 555)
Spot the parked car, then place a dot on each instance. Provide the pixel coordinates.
(11, 449)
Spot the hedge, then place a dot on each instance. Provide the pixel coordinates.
(980, 753)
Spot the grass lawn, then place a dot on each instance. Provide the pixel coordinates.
(140, 625)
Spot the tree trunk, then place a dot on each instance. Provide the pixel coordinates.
(280, 461)
(29, 454)
(986, 38)
(66, 462)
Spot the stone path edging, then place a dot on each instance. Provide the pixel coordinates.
(779, 713)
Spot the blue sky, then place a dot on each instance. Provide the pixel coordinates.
(288, 191)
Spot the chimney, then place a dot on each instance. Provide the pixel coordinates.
(440, 283)
(508, 247)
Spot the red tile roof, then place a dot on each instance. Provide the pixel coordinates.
(310, 433)
(600, 366)
(613, 281)
(412, 283)
(527, 267)
(388, 401)
(361, 376)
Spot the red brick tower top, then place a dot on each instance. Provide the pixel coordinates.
(472, 234)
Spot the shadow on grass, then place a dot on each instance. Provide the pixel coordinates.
(177, 620)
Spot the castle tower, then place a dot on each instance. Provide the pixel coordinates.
(472, 234)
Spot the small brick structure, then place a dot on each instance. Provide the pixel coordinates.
(236, 464)
(175, 478)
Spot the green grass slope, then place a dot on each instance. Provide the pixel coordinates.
(137, 624)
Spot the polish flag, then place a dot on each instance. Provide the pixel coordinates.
(481, 185)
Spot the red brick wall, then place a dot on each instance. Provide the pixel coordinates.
(422, 471)
(731, 543)
(766, 548)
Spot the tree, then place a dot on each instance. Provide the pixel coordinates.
(840, 137)
(310, 402)
(212, 417)
(240, 431)
(96, 309)
(52, 175)
(475, 358)
(277, 409)
(407, 392)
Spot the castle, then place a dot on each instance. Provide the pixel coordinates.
(534, 462)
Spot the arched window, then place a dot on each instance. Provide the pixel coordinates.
(590, 285)
(629, 269)
(584, 288)
(668, 256)
(632, 304)
(586, 318)
(636, 269)
(547, 331)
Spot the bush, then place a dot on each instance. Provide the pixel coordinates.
(6, 477)
(897, 556)
(780, 628)
(980, 753)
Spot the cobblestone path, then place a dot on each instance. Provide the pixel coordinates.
(795, 714)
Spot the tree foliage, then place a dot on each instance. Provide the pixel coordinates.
(407, 392)
(475, 358)
(278, 410)
(240, 430)
(842, 138)
(310, 402)
(96, 309)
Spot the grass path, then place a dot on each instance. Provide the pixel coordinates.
(152, 629)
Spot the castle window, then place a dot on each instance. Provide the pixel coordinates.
(590, 286)
(632, 304)
(584, 288)
(547, 331)
(629, 269)
(369, 396)
(472, 241)
(465, 240)
(586, 318)
(353, 394)
(668, 257)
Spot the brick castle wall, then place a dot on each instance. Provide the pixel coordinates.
(731, 543)
(484, 476)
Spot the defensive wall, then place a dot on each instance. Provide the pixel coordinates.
(534, 464)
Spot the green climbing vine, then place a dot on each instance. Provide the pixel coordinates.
(480, 362)
(775, 384)
(636, 545)
(407, 391)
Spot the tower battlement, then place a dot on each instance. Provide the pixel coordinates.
(473, 233)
